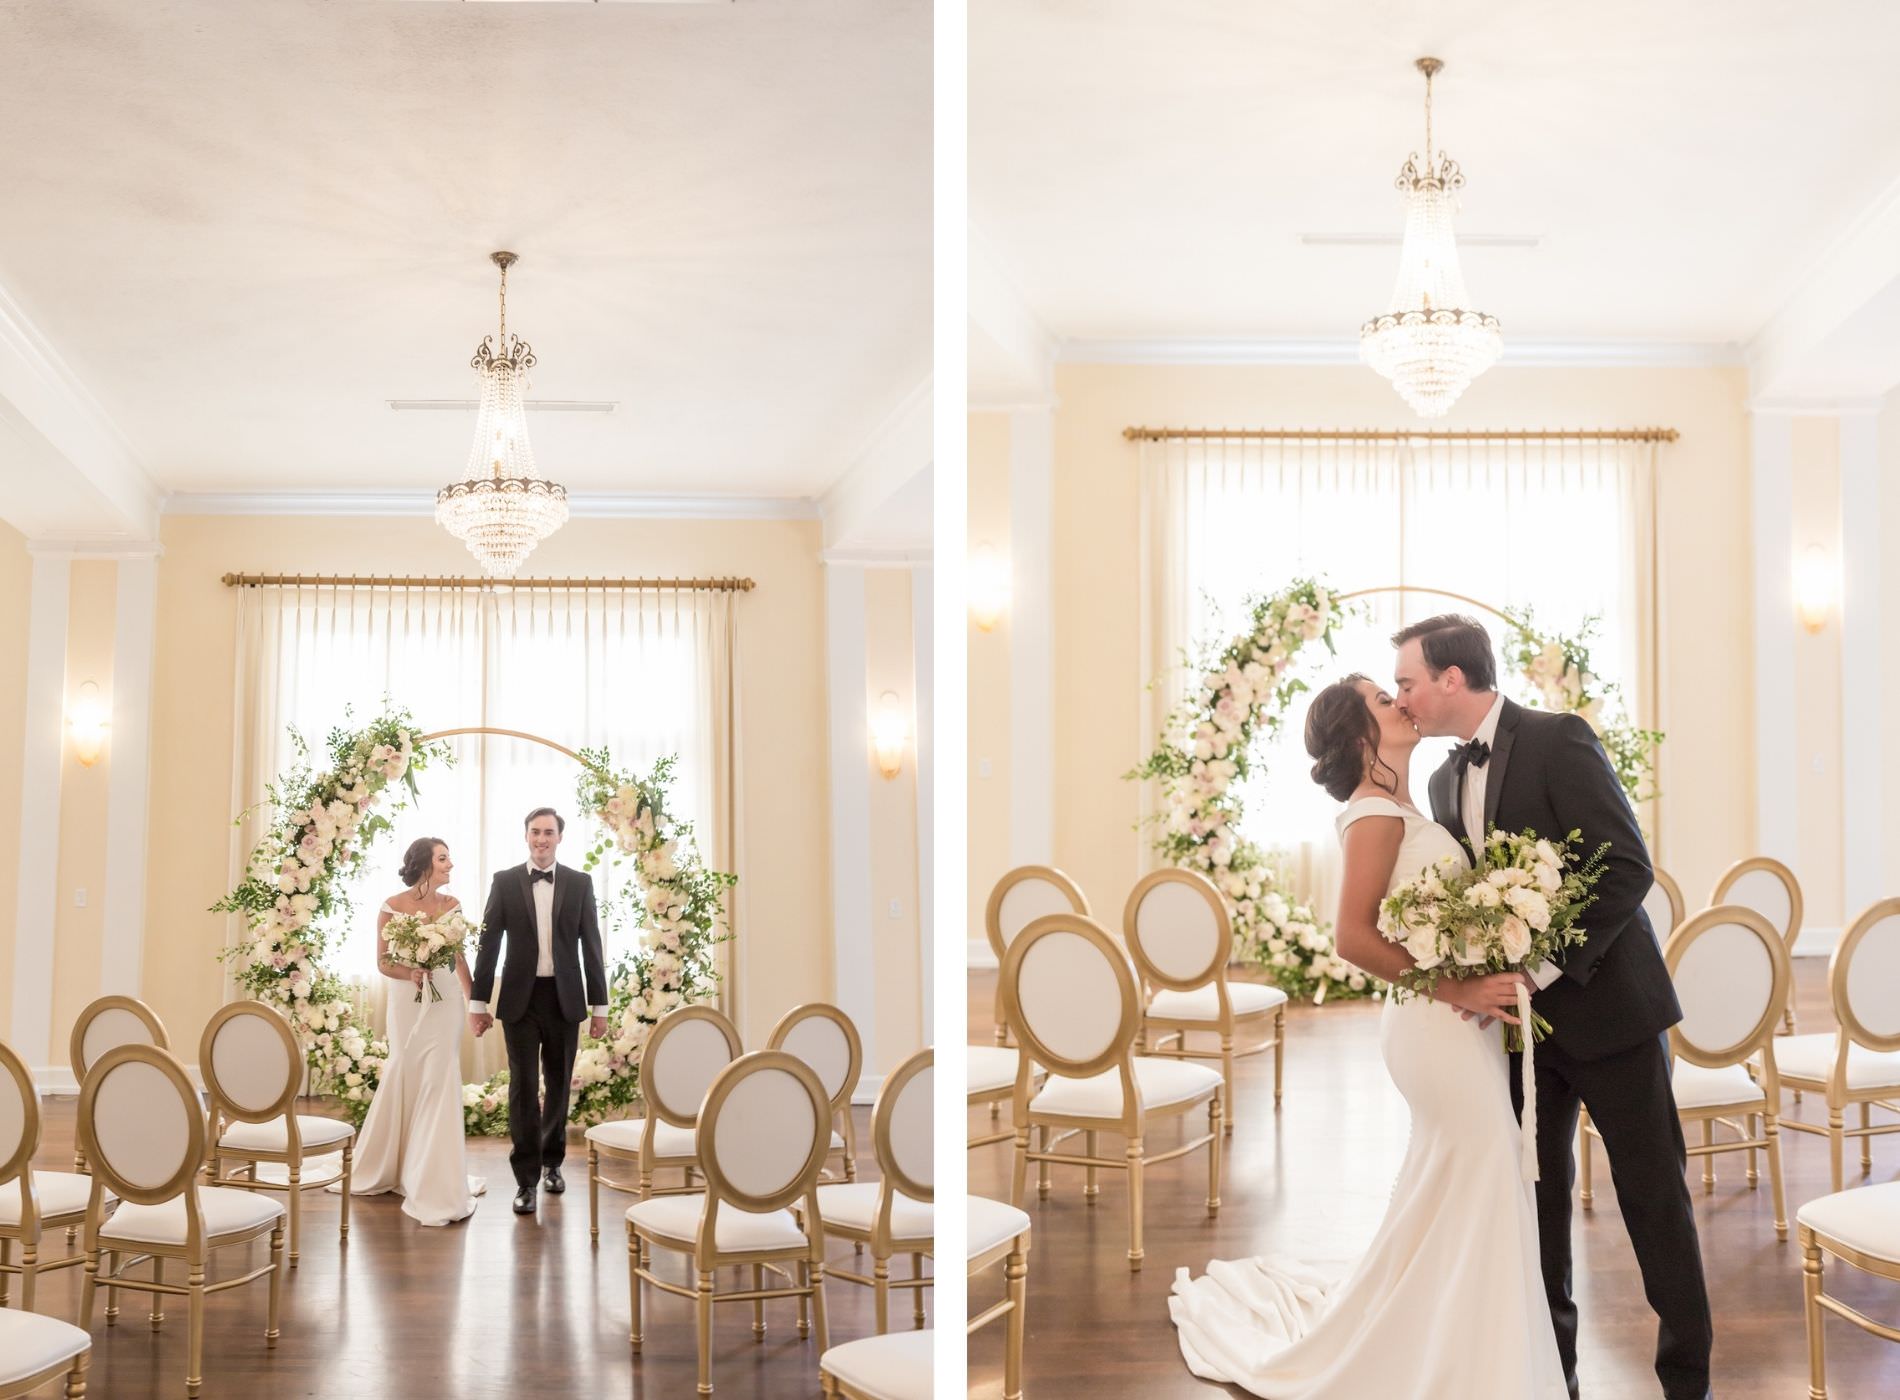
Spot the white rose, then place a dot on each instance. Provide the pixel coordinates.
(1423, 946)
(1515, 936)
(1485, 896)
(1548, 880)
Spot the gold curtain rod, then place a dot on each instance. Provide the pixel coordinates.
(705, 585)
(1403, 434)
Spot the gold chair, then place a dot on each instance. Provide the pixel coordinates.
(35, 1350)
(252, 1067)
(1731, 973)
(1664, 905)
(31, 1202)
(105, 1025)
(1176, 925)
(1769, 888)
(144, 1132)
(895, 1212)
(684, 1053)
(1069, 993)
(1860, 1062)
(824, 1038)
(894, 1367)
(1022, 896)
(1859, 1227)
(999, 1231)
(764, 1134)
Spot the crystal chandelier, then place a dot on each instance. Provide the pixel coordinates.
(1428, 342)
(506, 507)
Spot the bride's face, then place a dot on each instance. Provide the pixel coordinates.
(443, 865)
(1398, 736)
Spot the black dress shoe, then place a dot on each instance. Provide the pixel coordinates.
(524, 1201)
(555, 1186)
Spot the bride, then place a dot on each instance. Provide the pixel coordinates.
(1449, 1298)
(412, 1142)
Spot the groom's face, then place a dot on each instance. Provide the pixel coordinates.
(544, 834)
(1423, 698)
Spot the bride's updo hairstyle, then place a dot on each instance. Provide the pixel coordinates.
(418, 858)
(1341, 736)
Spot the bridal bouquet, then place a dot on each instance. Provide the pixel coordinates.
(1518, 908)
(427, 943)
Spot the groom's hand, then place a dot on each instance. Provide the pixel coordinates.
(1487, 999)
(597, 1027)
(477, 1022)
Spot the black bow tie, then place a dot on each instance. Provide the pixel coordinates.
(1474, 754)
(547, 874)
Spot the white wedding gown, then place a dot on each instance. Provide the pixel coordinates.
(412, 1143)
(1448, 1300)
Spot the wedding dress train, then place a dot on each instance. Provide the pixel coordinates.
(1449, 1298)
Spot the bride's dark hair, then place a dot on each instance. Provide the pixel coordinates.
(418, 858)
(1343, 739)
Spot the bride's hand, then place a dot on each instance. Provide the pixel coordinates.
(1487, 999)
(418, 976)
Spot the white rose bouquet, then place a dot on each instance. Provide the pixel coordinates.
(1521, 906)
(427, 943)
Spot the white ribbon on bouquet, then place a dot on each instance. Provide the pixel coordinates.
(1527, 1120)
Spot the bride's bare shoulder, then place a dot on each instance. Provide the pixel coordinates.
(403, 901)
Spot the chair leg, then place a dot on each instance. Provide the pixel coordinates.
(917, 1294)
(6, 1279)
(1772, 1131)
(593, 1193)
(1042, 1167)
(1835, 1142)
(1866, 1143)
(273, 1326)
(1279, 1055)
(1015, 1276)
(112, 1294)
(1091, 1187)
(29, 1271)
(296, 1210)
(633, 1289)
(88, 1290)
(1811, 1291)
(1019, 1179)
(703, 1321)
(1588, 1195)
(1214, 1121)
(1134, 1205)
(818, 1306)
(1708, 1162)
(195, 1359)
(850, 1146)
(1226, 1078)
(349, 1176)
(157, 1316)
(1754, 1131)
(76, 1378)
(881, 1290)
(804, 1299)
(758, 1304)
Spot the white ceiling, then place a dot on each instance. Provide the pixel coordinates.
(1144, 170)
(246, 227)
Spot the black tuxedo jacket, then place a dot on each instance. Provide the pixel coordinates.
(1548, 774)
(580, 974)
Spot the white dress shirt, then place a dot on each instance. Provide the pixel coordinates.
(544, 935)
(1471, 809)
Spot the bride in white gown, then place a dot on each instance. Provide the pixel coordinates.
(1448, 1300)
(412, 1142)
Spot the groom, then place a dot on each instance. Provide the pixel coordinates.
(545, 914)
(1609, 998)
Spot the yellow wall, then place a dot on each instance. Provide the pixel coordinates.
(16, 581)
(1817, 670)
(899, 972)
(989, 726)
(1889, 628)
(1706, 765)
(788, 959)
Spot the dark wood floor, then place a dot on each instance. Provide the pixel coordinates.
(1313, 1183)
(496, 1306)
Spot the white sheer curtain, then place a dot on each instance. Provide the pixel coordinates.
(1561, 526)
(645, 672)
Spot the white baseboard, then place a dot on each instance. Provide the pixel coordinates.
(866, 1092)
(59, 1081)
(1816, 942)
(981, 957)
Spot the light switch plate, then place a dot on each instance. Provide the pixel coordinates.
(79, 898)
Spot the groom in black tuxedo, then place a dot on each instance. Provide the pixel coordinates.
(553, 979)
(1609, 998)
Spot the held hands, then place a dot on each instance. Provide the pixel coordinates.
(416, 975)
(479, 1021)
(1486, 999)
(597, 1027)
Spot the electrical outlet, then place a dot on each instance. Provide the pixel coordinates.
(79, 898)
(895, 911)
(982, 768)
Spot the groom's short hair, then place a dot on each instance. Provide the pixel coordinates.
(1452, 639)
(560, 822)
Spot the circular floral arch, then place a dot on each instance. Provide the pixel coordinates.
(324, 822)
(1245, 692)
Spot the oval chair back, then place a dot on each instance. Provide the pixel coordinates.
(104, 1025)
(764, 1134)
(19, 1126)
(252, 1065)
(1069, 996)
(1765, 885)
(1863, 975)
(143, 1129)
(1176, 926)
(824, 1038)
(1731, 972)
(903, 1127)
(685, 1053)
(1021, 897)
(1664, 905)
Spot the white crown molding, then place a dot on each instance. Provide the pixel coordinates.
(1569, 354)
(1023, 405)
(878, 558)
(581, 505)
(1796, 407)
(84, 547)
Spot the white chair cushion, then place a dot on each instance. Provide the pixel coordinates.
(895, 1366)
(624, 1136)
(1811, 1057)
(60, 1193)
(677, 1218)
(32, 1342)
(1161, 1081)
(993, 1067)
(226, 1211)
(272, 1136)
(992, 1223)
(853, 1204)
(1203, 1003)
(1866, 1219)
(1698, 1086)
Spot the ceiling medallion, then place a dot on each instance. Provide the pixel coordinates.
(505, 507)
(1429, 342)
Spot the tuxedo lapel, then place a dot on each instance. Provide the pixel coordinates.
(563, 877)
(1444, 795)
(525, 883)
(1499, 761)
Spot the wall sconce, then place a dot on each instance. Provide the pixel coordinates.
(1816, 584)
(87, 718)
(989, 587)
(889, 729)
